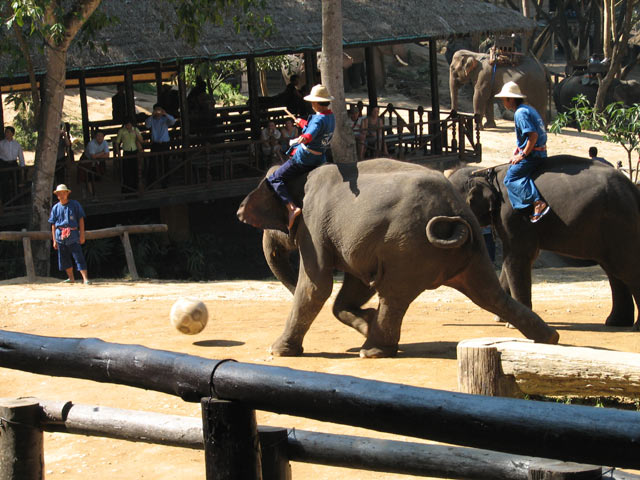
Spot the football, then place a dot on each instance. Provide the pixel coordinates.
(189, 315)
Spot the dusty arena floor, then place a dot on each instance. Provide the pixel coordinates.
(245, 317)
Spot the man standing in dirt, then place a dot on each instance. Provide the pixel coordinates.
(67, 234)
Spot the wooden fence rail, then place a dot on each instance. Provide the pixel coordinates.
(516, 367)
(122, 231)
(565, 432)
(408, 458)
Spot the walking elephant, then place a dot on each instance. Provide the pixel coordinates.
(625, 91)
(394, 229)
(595, 215)
(487, 80)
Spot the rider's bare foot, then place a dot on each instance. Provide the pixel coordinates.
(294, 212)
(540, 209)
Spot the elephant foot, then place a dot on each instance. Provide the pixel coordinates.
(499, 319)
(636, 327)
(490, 124)
(284, 349)
(620, 321)
(368, 351)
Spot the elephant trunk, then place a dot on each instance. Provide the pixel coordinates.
(448, 232)
(276, 247)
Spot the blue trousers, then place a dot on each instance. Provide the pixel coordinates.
(67, 254)
(286, 173)
(522, 191)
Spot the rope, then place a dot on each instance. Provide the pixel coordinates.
(18, 424)
(212, 388)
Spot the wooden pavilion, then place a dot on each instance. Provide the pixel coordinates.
(140, 47)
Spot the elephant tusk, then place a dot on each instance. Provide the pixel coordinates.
(400, 61)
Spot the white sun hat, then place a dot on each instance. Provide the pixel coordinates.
(61, 188)
(319, 93)
(510, 90)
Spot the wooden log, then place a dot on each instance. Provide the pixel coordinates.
(128, 253)
(231, 444)
(553, 470)
(21, 440)
(542, 429)
(274, 453)
(89, 234)
(28, 259)
(346, 451)
(558, 370)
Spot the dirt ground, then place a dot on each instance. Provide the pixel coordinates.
(247, 316)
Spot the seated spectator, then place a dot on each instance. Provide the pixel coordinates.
(593, 154)
(373, 131)
(11, 156)
(97, 151)
(287, 133)
(270, 140)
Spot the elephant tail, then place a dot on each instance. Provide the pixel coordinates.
(448, 232)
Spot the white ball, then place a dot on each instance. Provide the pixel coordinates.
(189, 315)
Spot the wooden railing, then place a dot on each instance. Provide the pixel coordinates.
(121, 231)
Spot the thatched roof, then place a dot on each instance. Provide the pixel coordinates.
(137, 37)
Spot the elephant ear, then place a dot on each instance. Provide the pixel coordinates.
(263, 209)
(470, 65)
(480, 199)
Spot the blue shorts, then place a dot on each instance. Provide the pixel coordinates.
(67, 254)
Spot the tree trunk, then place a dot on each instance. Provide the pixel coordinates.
(46, 150)
(343, 143)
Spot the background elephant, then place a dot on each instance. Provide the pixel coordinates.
(595, 215)
(394, 229)
(466, 66)
(625, 91)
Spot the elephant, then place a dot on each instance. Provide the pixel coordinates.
(467, 66)
(595, 215)
(394, 229)
(625, 91)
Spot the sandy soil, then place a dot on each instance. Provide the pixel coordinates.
(245, 317)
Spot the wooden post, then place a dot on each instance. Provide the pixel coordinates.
(435, 99)
(28, 258)
(554, 470)
(128, 253)
(84, 108)
(310, 65)
(1, 112)
(275, 456)
(371, 77)
(21, 440)
(254, 113)
(158, 75)
(129, 95)
(231, 445)
(480, 371)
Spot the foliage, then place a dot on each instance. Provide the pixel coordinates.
(24, 121)
(99, 252)
(617, 123)
(11, 260)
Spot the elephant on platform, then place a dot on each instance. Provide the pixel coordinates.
(595, 215)
(467, 66)
(394, 229)
(625, 91)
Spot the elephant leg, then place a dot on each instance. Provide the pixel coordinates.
(621, 304)
(488, 113)
(504, 283)
(384, 333)
(312, 291)
(347, 306)
(517, 269)
(479, 282)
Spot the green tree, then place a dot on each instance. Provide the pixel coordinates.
(53, 25)
(617, 123)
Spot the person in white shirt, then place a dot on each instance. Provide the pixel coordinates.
(11, 156)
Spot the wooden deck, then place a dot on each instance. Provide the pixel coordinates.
(229, 164)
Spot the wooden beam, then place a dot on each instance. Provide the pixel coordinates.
(89, 234)
(84, 108)
(363, 453)
(28, 258)
(372, 89)
(542, 429)
(128, 253)
(485, 365)
(254, 112)
(1, 112)
(435, 98)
